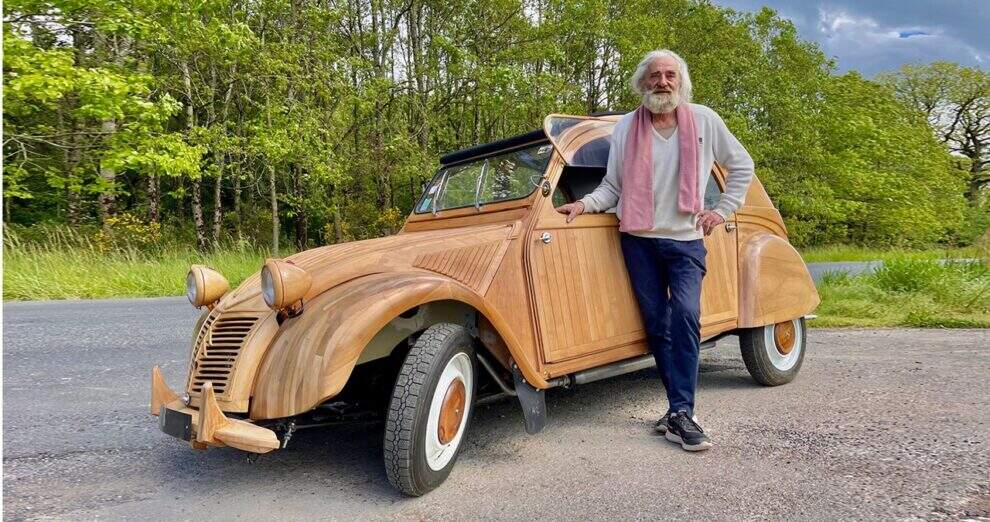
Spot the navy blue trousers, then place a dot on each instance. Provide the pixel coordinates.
(666, 277)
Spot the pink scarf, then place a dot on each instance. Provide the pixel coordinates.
(637, 169)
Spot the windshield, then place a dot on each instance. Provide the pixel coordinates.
(511, 175)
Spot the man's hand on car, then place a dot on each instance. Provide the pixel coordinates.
(708, 220)
(572, 210)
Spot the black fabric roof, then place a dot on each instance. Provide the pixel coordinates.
(486, 149)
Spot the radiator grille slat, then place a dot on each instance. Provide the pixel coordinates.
(218, 345)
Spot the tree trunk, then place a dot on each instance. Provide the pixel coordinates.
(237, 203)
(271, 187)
(218, 205)
(197, 208)
(154, 199)
(197, 182)
(108, 175)
(338, 229)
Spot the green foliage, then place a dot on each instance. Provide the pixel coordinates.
(202, 116)
(58, 262)
(909, 291)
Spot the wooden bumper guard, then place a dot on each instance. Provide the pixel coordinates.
(209, 423)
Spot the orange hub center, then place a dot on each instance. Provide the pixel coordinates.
(451, 412)
(783, 334)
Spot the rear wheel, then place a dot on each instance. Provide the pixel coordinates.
(430, 409)
(773, 353)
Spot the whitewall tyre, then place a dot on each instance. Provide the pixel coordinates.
(773, 353)
(430, 409)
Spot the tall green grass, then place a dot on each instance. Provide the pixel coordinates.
(833, 253)
(909, 291)
(65, 264)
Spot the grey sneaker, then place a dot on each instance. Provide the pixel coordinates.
(687, 433)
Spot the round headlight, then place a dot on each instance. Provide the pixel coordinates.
(191, 287)
(205, 286)
(283, 284)
(267, 286)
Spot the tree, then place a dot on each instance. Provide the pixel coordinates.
(956, 102)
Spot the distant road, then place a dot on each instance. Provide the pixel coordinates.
(818, 270)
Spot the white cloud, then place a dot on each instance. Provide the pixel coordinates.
(863, 43)
(881, 35)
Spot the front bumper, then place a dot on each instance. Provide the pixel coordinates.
(207, 426)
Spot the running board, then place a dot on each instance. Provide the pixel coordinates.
(533, 400)
(622, 367)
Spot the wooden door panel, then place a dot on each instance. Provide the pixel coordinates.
(719, 289)
(583, 298)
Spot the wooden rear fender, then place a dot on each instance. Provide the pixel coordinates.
(774, 282)
(313, 355)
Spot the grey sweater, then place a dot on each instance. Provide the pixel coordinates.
(716, 144)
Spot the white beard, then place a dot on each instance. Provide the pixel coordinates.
(660, 102)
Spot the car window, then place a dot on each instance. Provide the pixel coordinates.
(712, 193)
(503, 177)
(591, 154)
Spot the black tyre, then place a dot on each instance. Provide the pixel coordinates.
(430, 409)
(773, 353)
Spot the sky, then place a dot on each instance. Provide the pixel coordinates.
(873, 36)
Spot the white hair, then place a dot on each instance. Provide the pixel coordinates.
(637, 77)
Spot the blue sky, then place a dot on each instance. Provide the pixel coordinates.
(872, 36)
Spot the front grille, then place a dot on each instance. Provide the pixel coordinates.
(217, 346)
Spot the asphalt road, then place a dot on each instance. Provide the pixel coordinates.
(880, 423)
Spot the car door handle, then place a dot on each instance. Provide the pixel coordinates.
(546, 238)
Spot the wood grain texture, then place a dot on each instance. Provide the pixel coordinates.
(584, 300)
(775, 285)
(228, 351)
(215, 428)
(472, 265)
(313, 354)
(161, 394)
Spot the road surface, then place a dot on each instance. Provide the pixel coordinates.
(880, 424)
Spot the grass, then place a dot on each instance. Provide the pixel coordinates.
(910, 289)
(66, 265)
(833, 253)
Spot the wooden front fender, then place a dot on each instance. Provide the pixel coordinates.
(311, 358)
(774, 282)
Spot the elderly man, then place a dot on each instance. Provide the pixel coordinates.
(659, 163)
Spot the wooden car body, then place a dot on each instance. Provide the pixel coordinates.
(543, 297)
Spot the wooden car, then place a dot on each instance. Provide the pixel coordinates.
(485, 292)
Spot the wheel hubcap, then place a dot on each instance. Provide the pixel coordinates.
(783, 334)
(451, 411)
(783, 343)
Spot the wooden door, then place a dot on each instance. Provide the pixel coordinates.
(720, 288)
(584, 301)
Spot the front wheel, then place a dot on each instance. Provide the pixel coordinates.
(430, 409)
(773, 353)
